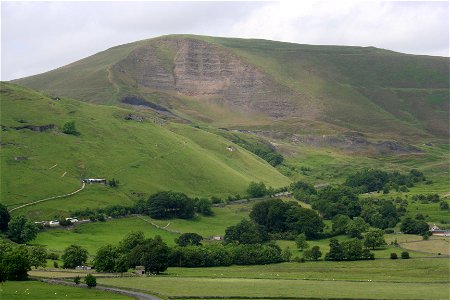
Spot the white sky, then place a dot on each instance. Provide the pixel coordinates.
(40, 36)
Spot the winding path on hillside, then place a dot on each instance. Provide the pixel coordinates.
(50, 198)
(136, 295)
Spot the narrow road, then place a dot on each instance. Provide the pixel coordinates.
(136, 295)
(50, 198)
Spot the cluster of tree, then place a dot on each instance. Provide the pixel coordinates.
(429, 198)
(342, 224)
(167, 205)
(20, 230)
(380, 213)
(414, 226)
(303, 191)
(261, 148)
(133, 250)
(99, 214)
(4, 218)
(156, 256)
(17, 260)
(276, 216)
(158, 206)
(344, 201)
(331, 201)
(225, 255)
(348, 250)
(14, 262)
(373, 180)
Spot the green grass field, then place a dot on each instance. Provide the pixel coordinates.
(144, 156)
(36, 290)
(387, 279)
(94, 235)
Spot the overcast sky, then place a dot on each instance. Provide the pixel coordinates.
(40, 36)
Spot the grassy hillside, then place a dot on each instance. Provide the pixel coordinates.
(332, 88)
(145, 156)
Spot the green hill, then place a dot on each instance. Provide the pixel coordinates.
(254, 84)
(145, 153)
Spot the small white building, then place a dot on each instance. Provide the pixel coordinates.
(53, 223)
(94, 180)
(82, 268)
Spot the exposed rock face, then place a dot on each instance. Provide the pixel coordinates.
(38, 128)
(200, 69)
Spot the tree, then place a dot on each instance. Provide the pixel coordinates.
(339, 224)
(405, 255)
(246, 232)
(38, 256)
(21, 230)
(69, 128)
(15, 263)
(77, 280)
(257, 190)
(353, 250)
(4, 218)
(336, 252)
(153, 254)
(90, 280)
(169, 204)
(121, 264)
(131, 240)
(314, 253)
(277, 216)
(189, 239)
(394, 255)
(356, 227)
(301, 242)
(442, 205)
(73, 256)
(113, 183)
(105, 259)
(203, 206)
(374, 238)
(412, 226)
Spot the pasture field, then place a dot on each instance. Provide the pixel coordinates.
(96, 234)
(421, 250)
(435, 245)
(146, 157)
(35, 290)
(209, 226)
(405, 279)
(416, 278)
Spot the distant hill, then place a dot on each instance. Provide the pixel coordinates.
(143, 151)
(266, 85)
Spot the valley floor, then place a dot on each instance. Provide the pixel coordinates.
(416, 278)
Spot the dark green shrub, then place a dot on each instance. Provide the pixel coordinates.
(394, 256)
(405, 255)
(90, 280)
(69, 128)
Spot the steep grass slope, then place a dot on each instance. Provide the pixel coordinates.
(255, 83)
(146, 155)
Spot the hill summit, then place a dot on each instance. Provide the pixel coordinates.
(265, 85)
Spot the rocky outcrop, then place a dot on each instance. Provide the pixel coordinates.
(203, 70)
(38, 128)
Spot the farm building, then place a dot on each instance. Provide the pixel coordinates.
(439, 232)
(139, 270)
(94, 180)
